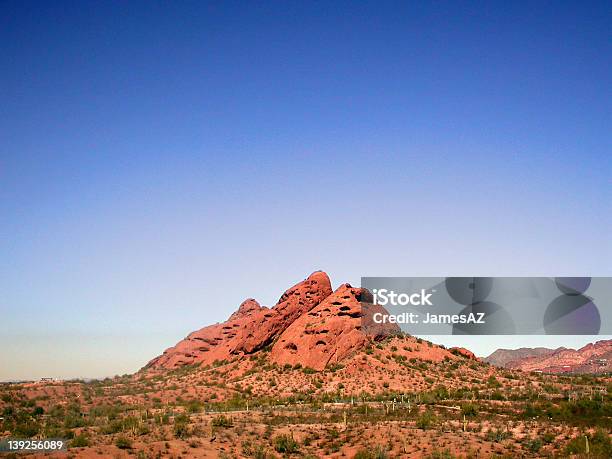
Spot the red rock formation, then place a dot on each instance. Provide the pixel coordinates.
(330, 331)
(463, 352)
(249, 329)
(247, 307)
(592, 358)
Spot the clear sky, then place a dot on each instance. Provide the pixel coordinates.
(162, 161)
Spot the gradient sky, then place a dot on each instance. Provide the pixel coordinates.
(162, 161)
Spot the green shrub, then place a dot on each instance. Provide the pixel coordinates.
(80, 441)
(194, 406)
(441, 454)
(377, 453)
(285, 444)
(113, 427)
(222, 421)
(425, 420)
(123, 443)
(497, 435)
(181, 426)
(259, 452)
(25, 429)
(73, 420)
(600, 445)
(533, 444)
(469, 409)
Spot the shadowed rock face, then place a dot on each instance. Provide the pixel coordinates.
(309, 325)
(249, 329)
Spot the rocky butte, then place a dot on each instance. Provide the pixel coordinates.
(310, 325)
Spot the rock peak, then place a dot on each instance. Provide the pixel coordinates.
(318, 281)
(246, 308)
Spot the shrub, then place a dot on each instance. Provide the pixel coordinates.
(469, 409)
(497, 435)
(425, 420)
(73, 420)
(123, 443)
(259, 452)
(80, 441)
(441, 454)
(285, 444)
(181, 423)
(194, 406)
(377, 453)
(25, 429)
(531, 411)
(114, 427)
(222, 421)
(533, 444)
(600, 445)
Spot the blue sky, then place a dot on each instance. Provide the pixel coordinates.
(160, 162)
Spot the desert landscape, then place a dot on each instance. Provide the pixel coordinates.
(304, 379)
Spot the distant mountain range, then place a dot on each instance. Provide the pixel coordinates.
(592, 358)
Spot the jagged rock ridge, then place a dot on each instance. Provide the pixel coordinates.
(592, 358)
(501, 357)
(309, 324)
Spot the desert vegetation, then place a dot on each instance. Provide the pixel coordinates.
(397, 397)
